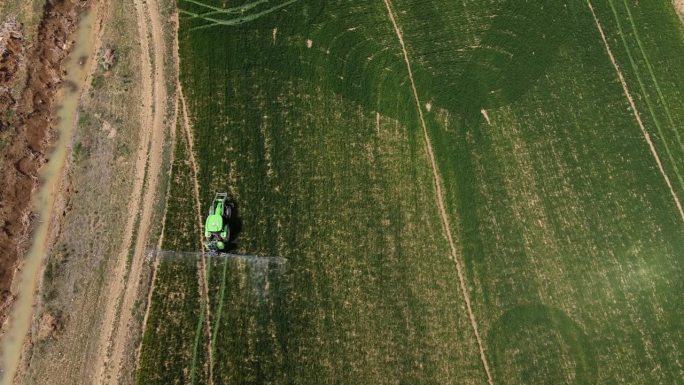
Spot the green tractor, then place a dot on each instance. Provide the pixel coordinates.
(216, 229)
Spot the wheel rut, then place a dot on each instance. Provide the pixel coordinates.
(635, 111)
(204, 275)
(439, 197)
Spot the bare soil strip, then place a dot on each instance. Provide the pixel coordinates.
(439, 199)
(153, 89)
(486, 116)
(679, 8)
(632, 105)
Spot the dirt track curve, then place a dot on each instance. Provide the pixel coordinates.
(123, 290)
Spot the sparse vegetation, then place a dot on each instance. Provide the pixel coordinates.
(97, 191)
(78, 152)
(108, 58)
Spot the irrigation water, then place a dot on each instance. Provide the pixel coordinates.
(68, 100)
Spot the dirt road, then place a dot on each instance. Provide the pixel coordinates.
(123, 289)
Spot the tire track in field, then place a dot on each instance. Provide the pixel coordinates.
(219, 310)
(213, 22)
(679, 8)
(439, 198)
(203, 270)
(661, 97)
(642, 87)
(195, 347)
(632, 105)
(155, 260)
(226, 11)
(203, 273)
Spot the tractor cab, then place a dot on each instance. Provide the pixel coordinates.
(216, 229)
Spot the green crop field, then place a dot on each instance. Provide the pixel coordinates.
(474, 192)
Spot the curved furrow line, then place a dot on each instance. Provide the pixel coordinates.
(228, 11)
(235, 21)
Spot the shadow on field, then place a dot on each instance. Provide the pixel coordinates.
(520, 40)
(513, 51)
(516, 50)
(534, 340)
(234, 224)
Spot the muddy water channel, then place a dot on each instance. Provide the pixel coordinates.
(67, 104)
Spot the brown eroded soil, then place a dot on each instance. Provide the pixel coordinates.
(11, 56)
(27, 127)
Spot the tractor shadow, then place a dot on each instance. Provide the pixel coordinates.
(235, 226)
